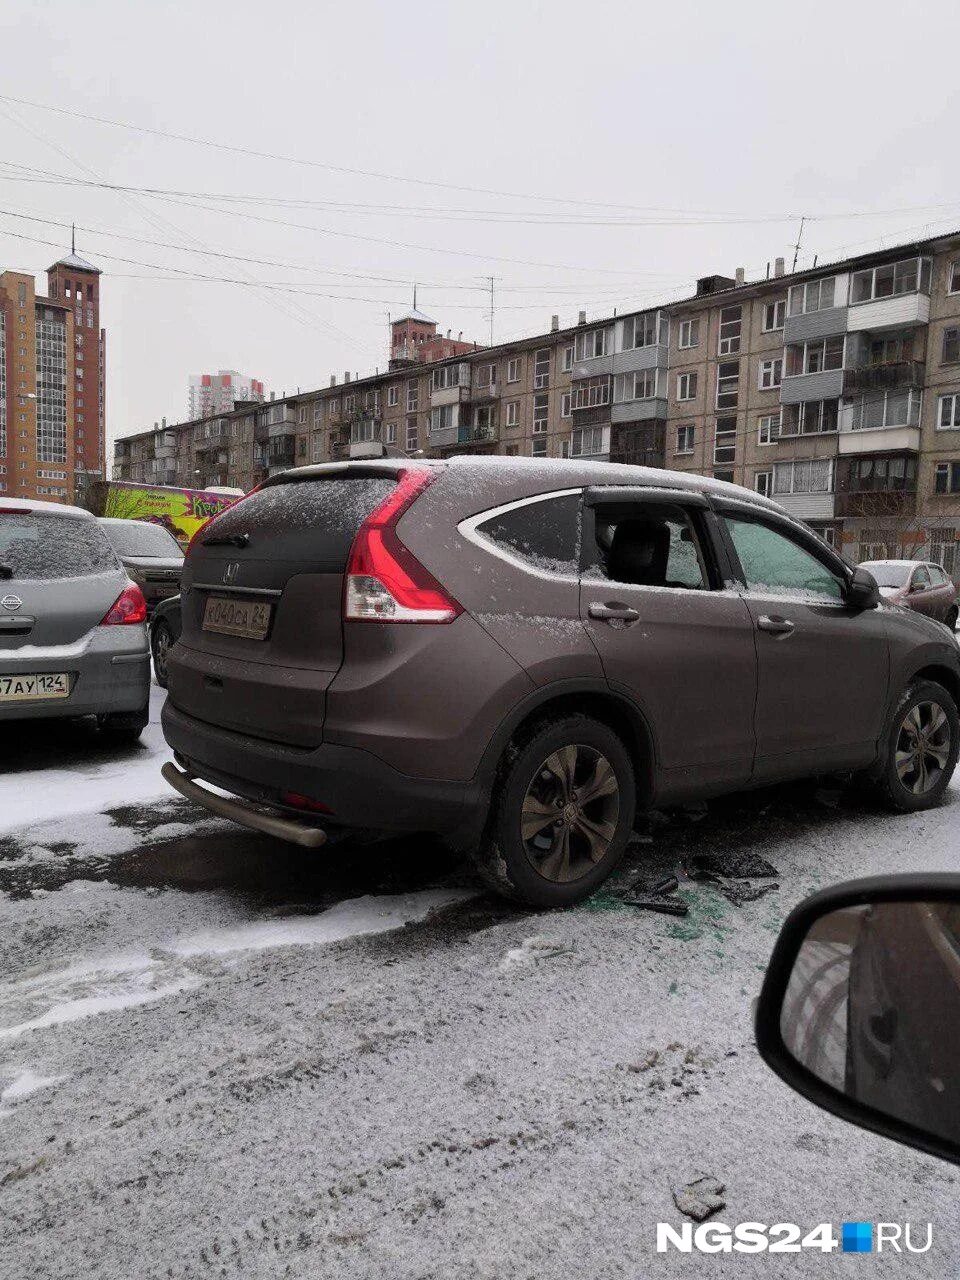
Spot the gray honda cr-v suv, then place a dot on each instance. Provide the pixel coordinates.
(520, 654)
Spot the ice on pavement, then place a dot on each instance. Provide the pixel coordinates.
(89, 987)
(27, 1082)
(349, 919)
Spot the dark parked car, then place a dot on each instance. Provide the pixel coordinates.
(151, 556)
(917, 584)
(72, 635)
(164, 634)
(518, 654)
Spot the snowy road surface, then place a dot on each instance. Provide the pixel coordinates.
(221, 1056)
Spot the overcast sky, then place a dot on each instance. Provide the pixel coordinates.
(703, 130)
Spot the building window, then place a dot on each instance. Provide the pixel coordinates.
(413, 397)
(591, 344)
(725, 441)
(768, 428)
(816, 295)
(686, 386)
(883, 409)
(947, 477)
(953, 278)
(412, 436)
(895, 278)
(591, 393)
(446, 376)
(538, 448)
(643, 331)
(815, 357)
(586, 441)
(812, 476)
(566, 363)
(774, 314)
(510, 450)
(726, 475)
(731, 325)
(442, 418)
(688, 334)
(540, 411)
(728, 384)
(810, 418)
(948, 413)
(513, 412)
(513, 369)
(541, 368)
(393, 395)
(565, 401)
(771, 372)
(635, 386)
(391, 433)
(951, 345)
(943, 549)
(763, 482)
(685, 437)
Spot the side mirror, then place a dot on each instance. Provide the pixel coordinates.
(862, 590)
(860, 1007)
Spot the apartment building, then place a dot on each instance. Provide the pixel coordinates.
(221, 392)
(75, 283)
(37, 458)
(834, 390)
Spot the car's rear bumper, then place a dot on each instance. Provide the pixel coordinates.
(109, 671)
(361, 790)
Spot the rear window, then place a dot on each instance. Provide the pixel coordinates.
(139, 538)
(545, 533)
(887, 575)
(46, 547)
(307, 520)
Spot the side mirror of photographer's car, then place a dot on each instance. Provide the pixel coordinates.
(860, 1007)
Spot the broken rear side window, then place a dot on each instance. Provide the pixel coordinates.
(546, 534)
(649, 545)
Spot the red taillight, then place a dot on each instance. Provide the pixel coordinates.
(385, 581)
(128, 607)
(296, 801)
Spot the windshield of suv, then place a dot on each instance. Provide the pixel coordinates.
(139, 538)
(45, 547)
(887, 574)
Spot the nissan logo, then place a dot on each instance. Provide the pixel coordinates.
(11, 603)
(231, 571)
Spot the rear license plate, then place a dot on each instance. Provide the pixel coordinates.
(30, 688)
(249, 618)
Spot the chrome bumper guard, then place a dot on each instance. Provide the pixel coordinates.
(243, 813)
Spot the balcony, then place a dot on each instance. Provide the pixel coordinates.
(883, 485)
(826, 384)
(476, 394)
(882, 377)
(807, 325)
(876, 503)
(449, 384)
(638, 410)
(364, 436)
(469, 436)
(808, 506)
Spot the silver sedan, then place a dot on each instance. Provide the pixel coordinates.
(73, 637)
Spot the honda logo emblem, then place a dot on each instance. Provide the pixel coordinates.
(231, 571)
(11, 603)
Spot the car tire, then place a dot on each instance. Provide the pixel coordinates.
(562, 859)
(923, 739)
(123, 726)
(161, 641)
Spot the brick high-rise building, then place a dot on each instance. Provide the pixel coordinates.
(74, 283)
(37, 366)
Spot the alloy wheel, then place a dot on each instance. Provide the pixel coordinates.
(162, 641)
(923, 747)
(569, 813)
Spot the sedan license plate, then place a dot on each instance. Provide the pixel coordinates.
(31, 688)
(249, 618)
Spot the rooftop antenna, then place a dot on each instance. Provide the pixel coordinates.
(796, 247)
(490, 278)
(414, 297)
(73, 237)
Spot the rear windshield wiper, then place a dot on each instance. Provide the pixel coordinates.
(227, 540)
(5, 571)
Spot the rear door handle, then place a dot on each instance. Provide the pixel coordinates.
(775, 625)
(613, 611)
